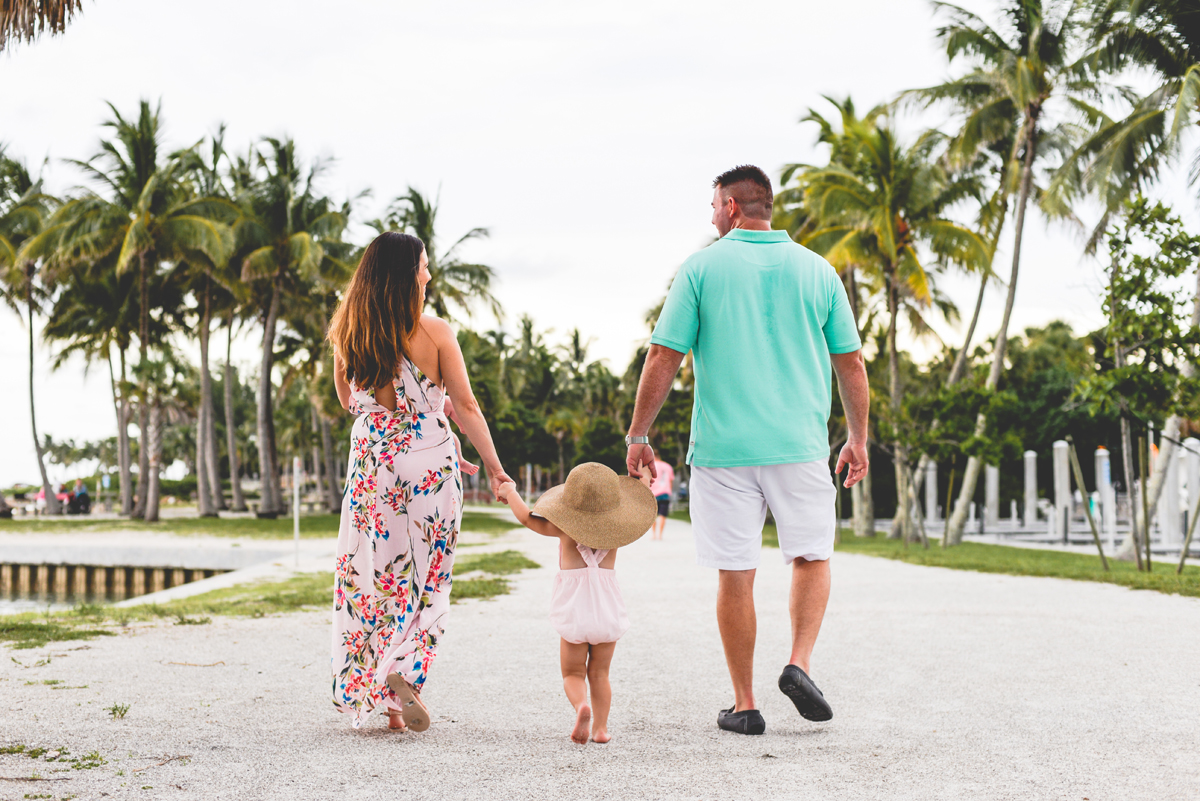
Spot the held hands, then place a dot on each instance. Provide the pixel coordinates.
(640, 455)
(505, 490)
(498, 478)
(854, 458)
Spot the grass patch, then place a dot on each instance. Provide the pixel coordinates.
(484, 523)
(500, 564)
(24, 632)
(88, 761)
(1028, 562)
(495, 564)
(478, 588)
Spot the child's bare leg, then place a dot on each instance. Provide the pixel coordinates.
(597, 674)
(574, 660)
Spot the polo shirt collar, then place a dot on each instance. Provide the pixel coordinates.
(745, 235)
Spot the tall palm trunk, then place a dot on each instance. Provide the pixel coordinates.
(112, 380)
(331, 475)
(900, 452)
(153, 444)
(318, 462)
(203, 493)
(271, 497)
(52, 505)
(956, 371)
(235, 469)
(208, 427)
(958, 519)
(124, 449)
(144, 400)
(862, 499)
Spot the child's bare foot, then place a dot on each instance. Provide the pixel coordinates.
(600, 736)
(583, 721)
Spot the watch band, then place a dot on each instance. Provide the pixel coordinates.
(636, 441)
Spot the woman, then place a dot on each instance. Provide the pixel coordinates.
(402, 507)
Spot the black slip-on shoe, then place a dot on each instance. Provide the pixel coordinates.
(809, 701)
(748, 721)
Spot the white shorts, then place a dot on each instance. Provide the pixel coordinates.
(729, 508)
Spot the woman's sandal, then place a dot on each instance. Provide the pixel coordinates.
(395, 720)
(414, 713)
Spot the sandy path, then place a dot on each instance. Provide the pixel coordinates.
(945, 685)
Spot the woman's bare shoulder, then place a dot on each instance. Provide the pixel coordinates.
(438, 329)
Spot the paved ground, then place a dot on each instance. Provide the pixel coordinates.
(945, 685)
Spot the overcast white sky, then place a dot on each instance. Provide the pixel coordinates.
(585, 136)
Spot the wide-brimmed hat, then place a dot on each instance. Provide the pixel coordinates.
(598, 508)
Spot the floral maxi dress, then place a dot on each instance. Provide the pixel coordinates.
(400, 518)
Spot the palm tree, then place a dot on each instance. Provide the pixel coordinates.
(1128, 154)
(876, 206)
(214, 286)
(25, 19)
(93, 312)
(287, 225)
(1016, 73)
(151, 217)
(453, 281)
(23, 212)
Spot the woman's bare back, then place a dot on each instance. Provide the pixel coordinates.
(423, 352)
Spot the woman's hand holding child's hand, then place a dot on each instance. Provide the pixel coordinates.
(503, 491)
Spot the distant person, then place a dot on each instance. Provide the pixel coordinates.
(394, 367)
(80, 502)
(662, 485)
(764, 319)
(592, 515)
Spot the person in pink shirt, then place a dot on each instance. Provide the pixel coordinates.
(661, 486)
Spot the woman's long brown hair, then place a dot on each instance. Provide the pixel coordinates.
(380, 310)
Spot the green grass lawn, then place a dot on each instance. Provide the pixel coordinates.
(315, 526)
(1014, 561)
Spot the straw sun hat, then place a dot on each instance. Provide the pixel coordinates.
(598, 508)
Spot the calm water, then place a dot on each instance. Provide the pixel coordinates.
(9, 606)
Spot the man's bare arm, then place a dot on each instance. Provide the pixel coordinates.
(658, 373)
(856, 401)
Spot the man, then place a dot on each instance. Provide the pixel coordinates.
(764, 319)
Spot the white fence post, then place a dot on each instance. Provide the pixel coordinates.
(991, 495)
(1108, 499)
(1062, 491)
(931, 491)
(1030, 489)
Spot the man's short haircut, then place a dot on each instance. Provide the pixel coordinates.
(750, 187)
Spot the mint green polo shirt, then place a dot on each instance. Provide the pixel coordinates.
(760, 314)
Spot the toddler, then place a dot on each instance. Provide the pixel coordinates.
(592, 514)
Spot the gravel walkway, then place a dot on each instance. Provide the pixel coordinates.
(944, 684)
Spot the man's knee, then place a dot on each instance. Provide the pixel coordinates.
(736, 578)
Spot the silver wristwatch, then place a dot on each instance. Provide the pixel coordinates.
(636, 441)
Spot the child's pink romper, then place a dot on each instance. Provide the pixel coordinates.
(586, 604)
